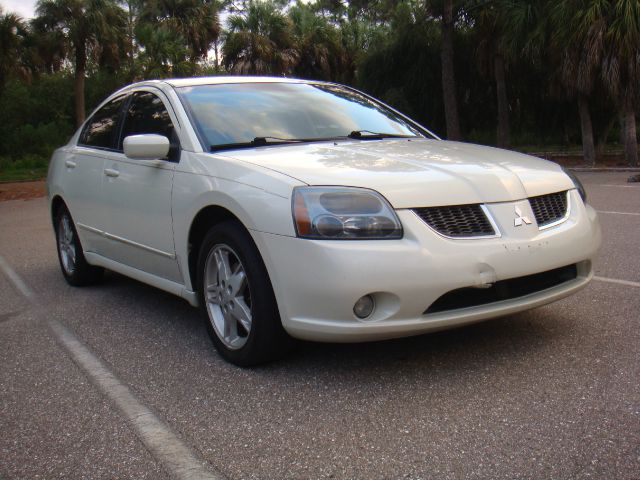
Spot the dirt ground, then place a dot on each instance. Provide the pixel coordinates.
(22, 190)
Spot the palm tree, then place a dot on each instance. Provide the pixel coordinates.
(580, 44)
(87, 26)
(492, 55)
(259, 41)
(601, 38)
(49, 46)
(540, 32)
(621, 66)
(13, 32)
(447, 12)
(319, 44)
(196, 21)
(165, 53)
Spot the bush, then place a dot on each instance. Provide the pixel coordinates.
(36, 118)
(28, 167)
(29, 141)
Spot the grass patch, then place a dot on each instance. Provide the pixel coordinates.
(30, 167)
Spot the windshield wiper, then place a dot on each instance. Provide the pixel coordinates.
(256, 142)
(369, 135)
(266, 141)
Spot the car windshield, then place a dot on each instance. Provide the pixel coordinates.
(257, 114)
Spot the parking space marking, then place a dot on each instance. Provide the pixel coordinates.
(153, 432)
(181, 462)
(14, 278)
(619, 282)
(615, 186)
(619, 213)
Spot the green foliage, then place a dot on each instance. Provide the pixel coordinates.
(165, 53)
(414, 51)
(36, 118)
(13, 33)
(553, 52)
(260, 41)
(28, 167)
(319, 44)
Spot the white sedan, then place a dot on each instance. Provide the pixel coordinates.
(288, 208)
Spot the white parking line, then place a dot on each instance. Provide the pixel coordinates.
(619, 282)
(22, 287)
(617, 186)
(181, 462)
(619, 213)
(153, 432)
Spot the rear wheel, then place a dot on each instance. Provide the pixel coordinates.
(76, 270)
(237, 298)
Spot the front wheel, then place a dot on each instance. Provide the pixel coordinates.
(237, 298)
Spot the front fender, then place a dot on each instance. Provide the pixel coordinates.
(257, 205)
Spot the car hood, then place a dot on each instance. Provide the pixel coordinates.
(416, 172)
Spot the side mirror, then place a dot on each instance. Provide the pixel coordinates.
(146, 147)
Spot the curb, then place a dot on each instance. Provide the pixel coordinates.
(3, 182)
(604, 169)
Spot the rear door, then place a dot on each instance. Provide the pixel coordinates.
(137, 193)
(84, 173)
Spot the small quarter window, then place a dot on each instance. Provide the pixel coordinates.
(100, 131)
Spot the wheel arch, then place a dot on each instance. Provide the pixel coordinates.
(203, 221)
(56, 202)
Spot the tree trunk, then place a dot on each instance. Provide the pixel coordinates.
(630, 137)
(604, 139)
(132, 36)
(588, 146)
(448, 74)
(504, 135)
(81, 65)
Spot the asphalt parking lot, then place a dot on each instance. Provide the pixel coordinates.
(550, 393)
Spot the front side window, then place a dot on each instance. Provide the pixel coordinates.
(230, 114)
(147, 114)
(100, 130)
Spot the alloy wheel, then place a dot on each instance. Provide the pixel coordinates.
(228, 297)
(66, 244)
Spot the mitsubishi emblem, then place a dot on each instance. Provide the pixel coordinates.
(517, 222)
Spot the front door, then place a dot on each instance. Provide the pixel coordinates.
(137, 194)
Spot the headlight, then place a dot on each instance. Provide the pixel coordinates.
(576, 181)
(343, 213)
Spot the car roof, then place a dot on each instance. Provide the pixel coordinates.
(191, 82)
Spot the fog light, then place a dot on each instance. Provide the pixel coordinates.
(364, 306)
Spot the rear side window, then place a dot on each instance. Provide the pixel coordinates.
(147, 114)
(100, 131)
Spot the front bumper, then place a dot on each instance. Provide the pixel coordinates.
(317, 282)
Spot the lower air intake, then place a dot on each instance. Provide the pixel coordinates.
(503, 290)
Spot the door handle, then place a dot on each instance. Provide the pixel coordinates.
(111, 172)
(70, 164)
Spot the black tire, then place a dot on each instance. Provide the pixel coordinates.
(77, 273)
(266, 339)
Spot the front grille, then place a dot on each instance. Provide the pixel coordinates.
(457, 221)
(549, 208)
(503, 290)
